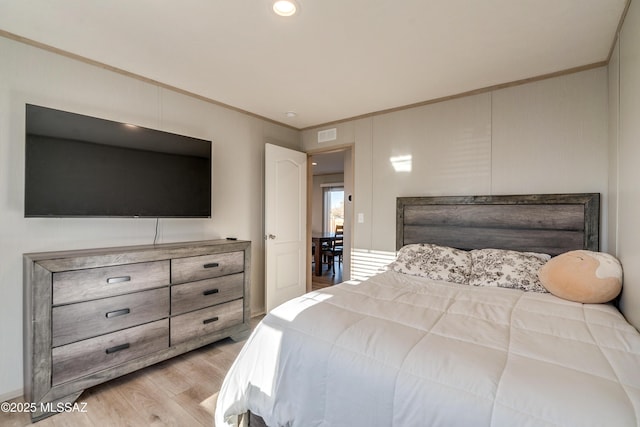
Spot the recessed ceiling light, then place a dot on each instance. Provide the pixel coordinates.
(290, 114)
(285, 7)
(314, 163)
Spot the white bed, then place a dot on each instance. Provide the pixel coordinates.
(401, 350)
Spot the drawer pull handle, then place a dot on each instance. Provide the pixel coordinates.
(117, 348)
(211, 320)
(112, 280)
(211, 291)
(211, 265)
(118, 313)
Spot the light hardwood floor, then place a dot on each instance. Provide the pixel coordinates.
(177, 392)
(328, 278)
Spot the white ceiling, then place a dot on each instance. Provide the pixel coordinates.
(328, 163)
(336, 59)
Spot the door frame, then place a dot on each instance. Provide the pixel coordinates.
(348, 215)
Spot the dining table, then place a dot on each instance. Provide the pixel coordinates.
(321, 240)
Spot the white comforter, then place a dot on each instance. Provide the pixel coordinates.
(398, 350)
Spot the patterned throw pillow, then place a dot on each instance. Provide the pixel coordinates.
(507, 269)
(434, 262)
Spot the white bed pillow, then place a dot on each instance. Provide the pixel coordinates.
(433, 262)
(507, 269)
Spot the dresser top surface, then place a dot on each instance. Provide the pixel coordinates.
(87, 258)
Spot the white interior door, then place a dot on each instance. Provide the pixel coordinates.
(285, 224)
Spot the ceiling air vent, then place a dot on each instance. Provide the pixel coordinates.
(327, 135)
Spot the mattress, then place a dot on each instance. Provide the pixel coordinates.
(400, 350)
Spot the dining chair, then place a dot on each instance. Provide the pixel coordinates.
(336, 248)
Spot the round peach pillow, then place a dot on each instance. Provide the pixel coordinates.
(583, 276)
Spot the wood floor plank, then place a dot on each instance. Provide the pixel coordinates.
(171, 379)
(103, 404)
(14, 419)
(200, 402)
(152, 405)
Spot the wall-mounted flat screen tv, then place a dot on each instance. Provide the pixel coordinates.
(81, 166)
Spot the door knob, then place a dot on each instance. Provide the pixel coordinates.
(272, 236)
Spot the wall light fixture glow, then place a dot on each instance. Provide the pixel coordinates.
(285, 7)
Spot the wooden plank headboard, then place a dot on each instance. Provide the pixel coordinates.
(547, 223)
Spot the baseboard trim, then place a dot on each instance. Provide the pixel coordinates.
(11, 395)
(259, 313)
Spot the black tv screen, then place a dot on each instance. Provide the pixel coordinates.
(81, 166)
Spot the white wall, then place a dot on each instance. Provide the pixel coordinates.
(614, 106)
(31, 75)
(548, 136)
(624, 70)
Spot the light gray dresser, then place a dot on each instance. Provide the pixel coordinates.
(93, 315)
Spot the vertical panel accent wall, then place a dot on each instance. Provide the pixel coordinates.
(629, 160)
(548, 136)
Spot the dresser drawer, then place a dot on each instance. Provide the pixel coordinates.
(85, 357)
(206, 266)
(203, 293)
(101, 282)
(206, 321)
(74, 322)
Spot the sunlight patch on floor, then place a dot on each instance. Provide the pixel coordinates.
(209, 404)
